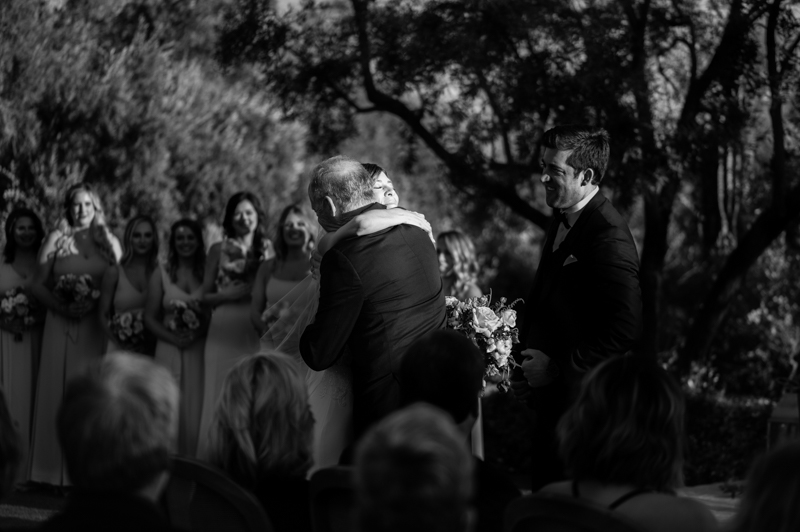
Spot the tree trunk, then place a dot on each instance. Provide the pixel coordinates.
(712, 313)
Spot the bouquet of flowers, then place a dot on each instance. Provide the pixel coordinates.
(492, 328)
(275, 312)
(71, 288)
(17, 307)
(128, 329)
(185, 317)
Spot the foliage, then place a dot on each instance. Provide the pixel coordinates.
(688, 90)
(121, 95)
(724, 437)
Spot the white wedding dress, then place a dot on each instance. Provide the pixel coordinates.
(330, 392)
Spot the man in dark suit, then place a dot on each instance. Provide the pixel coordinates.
(378, 293)
(585, 305)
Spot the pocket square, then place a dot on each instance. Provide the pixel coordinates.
(571, 259)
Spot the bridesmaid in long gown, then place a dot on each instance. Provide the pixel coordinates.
(182, 354)
(73, 336)
(20, 343)
(227, 284)
(277, 277)
(124, 288)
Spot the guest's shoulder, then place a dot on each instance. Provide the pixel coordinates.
(659, 512)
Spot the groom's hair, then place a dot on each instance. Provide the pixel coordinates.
(443, 368)
(589, 147)
(344, 180)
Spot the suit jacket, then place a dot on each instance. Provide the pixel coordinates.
(586, 304)
(378, 293)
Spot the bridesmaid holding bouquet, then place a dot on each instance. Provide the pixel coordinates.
(20, 334)
(227, 286)
(173, 291)
(72, 262)
(124, 288)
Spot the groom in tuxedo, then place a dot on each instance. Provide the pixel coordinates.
(378, 292)
(586, 304)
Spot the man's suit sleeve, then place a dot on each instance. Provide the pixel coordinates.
(612, 322)
(340, 299)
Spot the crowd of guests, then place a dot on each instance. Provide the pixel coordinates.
(621, 441)
(229, 284)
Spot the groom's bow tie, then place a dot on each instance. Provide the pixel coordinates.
(562, 218)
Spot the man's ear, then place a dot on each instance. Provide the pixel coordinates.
(330, 207)
(588, 175)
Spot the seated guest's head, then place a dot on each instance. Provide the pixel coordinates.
(116, 425)
(263, 423)
(10, 451)
(772, 492)
(414, 472)
(444, 368)
(626, 426)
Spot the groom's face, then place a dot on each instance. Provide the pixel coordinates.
(563, 187)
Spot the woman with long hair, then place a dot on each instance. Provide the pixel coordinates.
(261, 436)
(277, 277)
(72, 262)
(622, 444)
(458, 265)
(20, 337)
(227, 286)
(181, 351)
(124, 288)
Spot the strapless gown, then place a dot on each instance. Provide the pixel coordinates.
(187, 367)
(330, 392)
(17, 364)
(126, 299)
(68, 347)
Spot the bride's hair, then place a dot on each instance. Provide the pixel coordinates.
(101, 234)
(465, 260)
(263, 423)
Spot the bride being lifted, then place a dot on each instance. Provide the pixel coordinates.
(285, 299)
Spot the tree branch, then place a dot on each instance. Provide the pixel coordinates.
(455, 164)
(501, 120)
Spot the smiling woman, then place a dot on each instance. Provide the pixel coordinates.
(124, 288)
(72, 262)
(227, 286)
(294, 242)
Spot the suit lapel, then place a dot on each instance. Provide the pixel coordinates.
(558, 257)
(574, 234)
